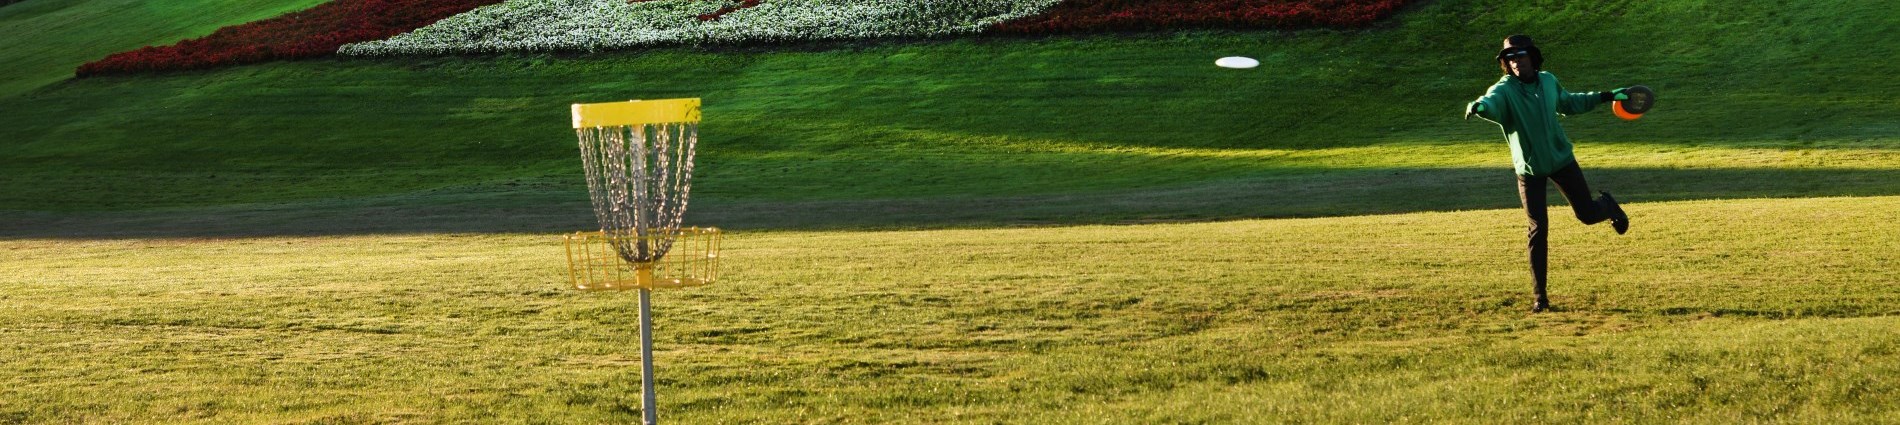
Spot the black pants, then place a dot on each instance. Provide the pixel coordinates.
(1530, 190)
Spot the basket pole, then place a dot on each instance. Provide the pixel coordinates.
(649, 402)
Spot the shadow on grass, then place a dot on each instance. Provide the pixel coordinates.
(500, 209)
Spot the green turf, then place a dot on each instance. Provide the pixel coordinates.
(991, 230)
(1742, 311)
(988, 118)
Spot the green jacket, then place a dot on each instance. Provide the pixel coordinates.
(1528, 113)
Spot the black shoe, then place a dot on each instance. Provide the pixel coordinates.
(1540, 305)
(1618, 219)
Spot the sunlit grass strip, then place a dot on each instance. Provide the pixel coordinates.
(1844, 155)
(1713, 310)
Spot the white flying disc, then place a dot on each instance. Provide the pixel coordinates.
(1237, 62)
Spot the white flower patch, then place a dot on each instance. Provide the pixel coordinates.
(590, 25)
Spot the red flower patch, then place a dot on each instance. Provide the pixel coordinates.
(728, 9)
(315, 32)
(1141, 15)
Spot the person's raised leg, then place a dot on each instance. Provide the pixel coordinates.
(1570, 181)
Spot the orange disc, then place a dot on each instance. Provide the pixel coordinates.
(1622, 113)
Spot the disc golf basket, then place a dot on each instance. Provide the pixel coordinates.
(639, 161)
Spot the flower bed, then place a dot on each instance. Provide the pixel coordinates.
(436, 27)
(314, 32)
(1126, 15)
(589, 25)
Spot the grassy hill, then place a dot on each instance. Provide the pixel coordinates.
(1754, 86)
(47, 39)
(1075, 229)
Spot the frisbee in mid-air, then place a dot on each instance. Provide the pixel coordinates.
(1640, 101)
(1237, 62)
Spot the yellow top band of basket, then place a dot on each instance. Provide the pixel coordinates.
(636, 112)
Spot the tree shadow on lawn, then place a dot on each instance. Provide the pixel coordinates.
(496, 209)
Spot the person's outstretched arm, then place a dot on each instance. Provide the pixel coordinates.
(1490, 106)
(1576, 103)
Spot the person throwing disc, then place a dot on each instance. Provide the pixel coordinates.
(1526, 102)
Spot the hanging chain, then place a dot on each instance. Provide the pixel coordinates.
(638, 179)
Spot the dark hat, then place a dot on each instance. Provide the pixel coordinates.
(1521, 44)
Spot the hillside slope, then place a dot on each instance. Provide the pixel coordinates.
(47, 39)
(1756, 101)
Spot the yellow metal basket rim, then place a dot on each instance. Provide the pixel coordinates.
(636, 112)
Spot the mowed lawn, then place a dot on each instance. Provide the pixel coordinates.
(948, 120)
(1075, 229)
(1708, 312)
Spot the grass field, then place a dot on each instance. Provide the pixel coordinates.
(1081, 229)
(1768, 312)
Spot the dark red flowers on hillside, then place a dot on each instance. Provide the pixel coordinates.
(1142, 15)
(728, 9)
(315, 32)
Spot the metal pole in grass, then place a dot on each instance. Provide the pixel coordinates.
(649, 398)
(638, 156)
